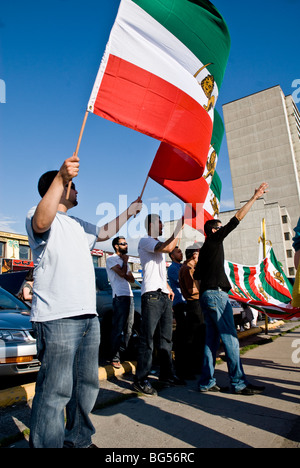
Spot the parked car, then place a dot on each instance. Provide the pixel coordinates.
(18, 354)
(17, 342)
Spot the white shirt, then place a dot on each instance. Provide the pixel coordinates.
(120, 286)
(64, 275)
(154, 266)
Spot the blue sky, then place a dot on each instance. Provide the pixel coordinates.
(50, 52)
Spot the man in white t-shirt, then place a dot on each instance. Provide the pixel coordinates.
(120, 277)
(64, 312)
(157, 311)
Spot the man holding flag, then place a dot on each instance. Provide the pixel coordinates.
(157, 297)
(64, 312)
(218, 314)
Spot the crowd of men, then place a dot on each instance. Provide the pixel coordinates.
(65, 319)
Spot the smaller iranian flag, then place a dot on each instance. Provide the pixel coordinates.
(264, 286)
(179, 174)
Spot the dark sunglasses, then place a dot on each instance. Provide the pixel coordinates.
(123, 243)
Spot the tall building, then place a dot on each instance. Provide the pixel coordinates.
(263, 138)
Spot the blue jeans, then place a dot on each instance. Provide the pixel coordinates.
(219, 321)
(68, 350)
(122, 321)
(157, 315)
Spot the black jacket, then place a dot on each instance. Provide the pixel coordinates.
(210, 267)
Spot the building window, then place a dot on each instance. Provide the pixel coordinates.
(291, 272)
(24, 252)
(284, 219)
(289, 254)
(2, 249)
(287, 236)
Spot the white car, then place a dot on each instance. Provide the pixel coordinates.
(18, 354)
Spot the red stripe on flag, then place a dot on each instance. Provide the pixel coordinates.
(237, 279)
(140, 100)
(251, 280)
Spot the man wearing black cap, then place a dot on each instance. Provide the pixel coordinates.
(64, 312)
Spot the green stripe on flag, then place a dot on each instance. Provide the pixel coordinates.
(216, 186)
(198, 25)
(278, 267)
(218, 132)
(275, 294)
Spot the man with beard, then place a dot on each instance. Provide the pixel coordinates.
(120, 277)
(64, 312)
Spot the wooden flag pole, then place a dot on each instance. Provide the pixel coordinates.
(146, 181)
(264, 241)
(77, 147)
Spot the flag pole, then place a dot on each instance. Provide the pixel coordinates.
(77, 147)
(264, 241)
(143, 190)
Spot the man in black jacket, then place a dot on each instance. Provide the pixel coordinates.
(218, 314)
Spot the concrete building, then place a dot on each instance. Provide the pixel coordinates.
(244, 244)
(263, 138)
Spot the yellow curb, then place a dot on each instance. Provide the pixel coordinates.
(257, 330)
(25, 393)
(14, 395)
(251, 331)
(110, 371)
(272, 326)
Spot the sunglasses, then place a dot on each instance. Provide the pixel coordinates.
(123, 243)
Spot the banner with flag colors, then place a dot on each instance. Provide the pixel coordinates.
(264, 286)
(161, 72)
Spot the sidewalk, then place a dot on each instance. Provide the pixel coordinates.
(182, 417)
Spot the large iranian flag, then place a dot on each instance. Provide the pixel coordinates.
(161, 71)
(264, 286)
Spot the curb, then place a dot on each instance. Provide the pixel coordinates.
(261, 329)
(25, 393)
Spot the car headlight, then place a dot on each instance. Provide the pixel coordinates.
(15, 336)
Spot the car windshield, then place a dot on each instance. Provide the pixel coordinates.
(8, 301)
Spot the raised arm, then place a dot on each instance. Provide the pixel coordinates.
(48, 206)
(110, 229)
(257, 194)
(170, 244)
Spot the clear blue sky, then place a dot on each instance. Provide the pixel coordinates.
(50, 53)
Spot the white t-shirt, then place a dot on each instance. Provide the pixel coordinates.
(64, 275)
(154, 266)
(120, 286)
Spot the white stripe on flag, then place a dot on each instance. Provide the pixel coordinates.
(138, 38)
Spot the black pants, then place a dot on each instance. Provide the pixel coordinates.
(189, 338)
(156, 315)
